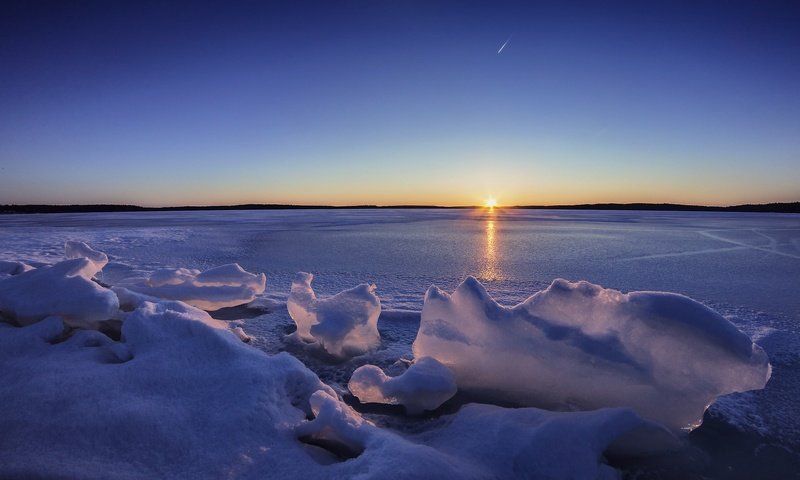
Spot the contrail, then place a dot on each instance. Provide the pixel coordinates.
(504, 45)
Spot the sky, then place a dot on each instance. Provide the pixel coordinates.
(399, 102)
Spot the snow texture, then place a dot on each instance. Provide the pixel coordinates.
(220, 287)
(424, 386)
(345, 324)
(175, 398)
(479, 441)
(129, 300)
(10, 268)
(73, 249)
(578, 346)
(531, 443)
(63, 289)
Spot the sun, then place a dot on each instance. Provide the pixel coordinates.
(490, 202)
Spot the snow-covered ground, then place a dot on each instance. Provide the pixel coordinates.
(167, 390)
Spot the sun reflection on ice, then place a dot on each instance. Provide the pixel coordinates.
(490, 269)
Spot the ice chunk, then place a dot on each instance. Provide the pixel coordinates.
(220, 287)
(344, 324)
(301, 304)
(243, 336)
(231, 274)
(335, 425)
(580, 346)
(424, 386)
(81, 250)
(129, 300)
(64, 289)
(170, 276)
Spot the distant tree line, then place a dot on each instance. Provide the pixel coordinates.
(789, 207)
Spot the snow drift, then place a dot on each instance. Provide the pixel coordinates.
(63, 289)
(344, 324)
(477, 442)
(224, 286)
(178, 398)
(10, 268)
(153, 405)
(580, 346)
(424, 386)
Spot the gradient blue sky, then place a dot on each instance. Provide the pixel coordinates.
(399, 102)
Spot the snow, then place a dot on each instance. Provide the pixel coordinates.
(64, 289)
(335, 423)
(578, 346)
(178, 398)
(188, 401)
(424, 386)
(479, 441)
(345, 324)
(531, 443)
(8, 268)
(224, 286)
(74, 249)
(80, 404)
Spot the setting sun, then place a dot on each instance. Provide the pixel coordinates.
(490, 202)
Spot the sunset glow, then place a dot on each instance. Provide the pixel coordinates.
(244, 105)
(412, 239)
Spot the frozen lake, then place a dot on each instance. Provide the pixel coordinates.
(742, 260)
(746, 266)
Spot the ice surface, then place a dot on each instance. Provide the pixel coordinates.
(220, 287)
(580, 346)
(424, 386)
(73, 249)
(344, 324)
(723, 259)
(64, 289)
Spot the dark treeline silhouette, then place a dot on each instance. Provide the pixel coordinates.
(790, 207)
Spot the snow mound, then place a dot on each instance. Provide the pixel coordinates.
(344, 324)
(530, 443)
(478, 442)
(580, 346)
(155, 404)
(129, 300)
(81, 250)
(424, 386)
(334, 425)
(220, 287)
(63, 289)
(9, 268)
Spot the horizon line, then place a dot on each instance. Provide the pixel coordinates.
(771, 207)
